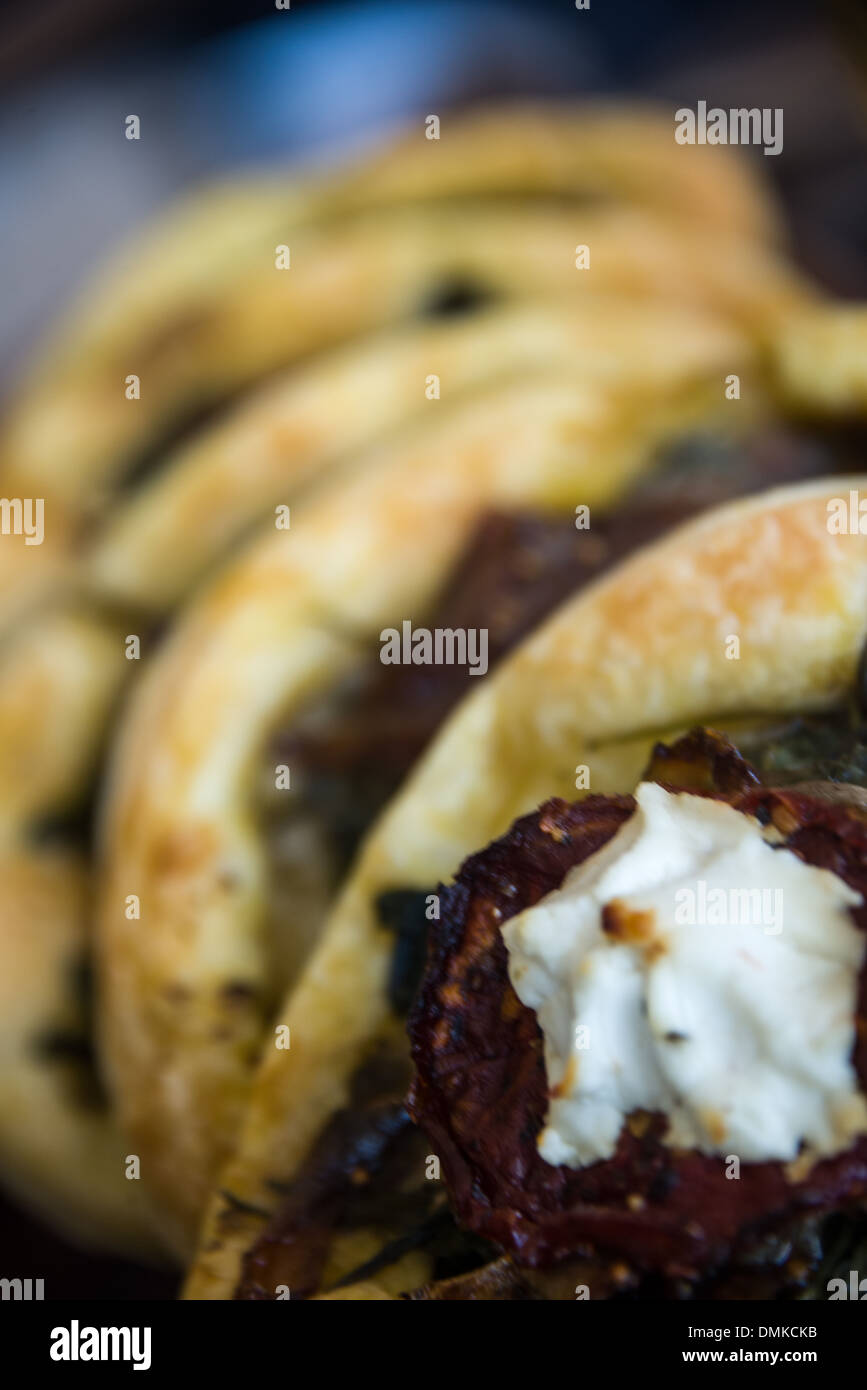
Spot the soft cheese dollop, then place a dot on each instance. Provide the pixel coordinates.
(689, 967)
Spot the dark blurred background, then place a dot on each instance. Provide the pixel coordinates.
(223, 85)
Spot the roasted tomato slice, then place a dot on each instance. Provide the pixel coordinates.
(480, 1089)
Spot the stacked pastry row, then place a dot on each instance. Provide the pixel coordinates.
(274, 428)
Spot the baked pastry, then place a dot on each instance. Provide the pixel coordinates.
(281, 640)
(416, 253)
(558, 386)
(61, 1153)
(207, 303)
(657, 387)
(642, 653)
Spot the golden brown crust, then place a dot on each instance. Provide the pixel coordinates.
(686, 285)
(819, 353)
(198, 310)
(366, 275)
(308, 423)
(61, 1153)
(642, 650)
(161, 305)
(280, 627)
